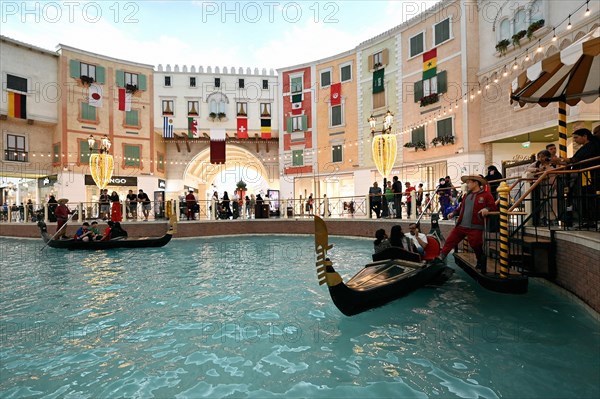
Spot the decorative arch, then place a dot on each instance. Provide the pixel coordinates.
(579, 35)
(564, 44)
(217, 102)
(551, 50)
(200, 173)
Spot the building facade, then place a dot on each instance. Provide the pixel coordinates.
(241, 104)
(28, 119)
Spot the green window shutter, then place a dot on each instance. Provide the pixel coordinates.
(131, 118)
(442, 82)
(88, 112)
(120, 78)
(288, 125)
(132, 155)
(75, 68)
(142, 82)
(55, 153)
(304, 123)
(100, 74)
(419, 90)
(298, 158)
(84, 152)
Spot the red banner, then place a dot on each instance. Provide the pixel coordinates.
(242, 128)
(336, 94)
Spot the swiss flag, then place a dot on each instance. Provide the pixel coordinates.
(242, 128)
(336, 94)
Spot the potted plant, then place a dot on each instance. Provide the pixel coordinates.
(430, 99)
(409, 145)
(533, 27)
(212, 115)
(131, 88)
(421, 145)
(241, 188)
(221, 115)
(436, 141)
(377, 65)
(502, 46)
(86, 79)
(447, 140)
(516, 38)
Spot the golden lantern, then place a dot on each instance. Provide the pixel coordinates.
(384, 145)
(384, 153)
(101, 164)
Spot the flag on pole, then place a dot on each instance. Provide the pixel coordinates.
(193, 128)
(242, 128)
(430, 64)
(336, 94)
(124, 100)
(95, 95)
(265, 128)
(17, 105)
(167, 127)
(217, 146)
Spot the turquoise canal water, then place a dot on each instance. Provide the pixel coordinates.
(245, 317)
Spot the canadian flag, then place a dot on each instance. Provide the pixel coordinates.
(95, 96)
(124, 100)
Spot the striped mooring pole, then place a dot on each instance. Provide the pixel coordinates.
(503, 192)
(562, 129)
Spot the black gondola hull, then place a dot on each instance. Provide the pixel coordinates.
(72, 244)
(351, 301)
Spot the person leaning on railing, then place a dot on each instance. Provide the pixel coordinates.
(590, 181)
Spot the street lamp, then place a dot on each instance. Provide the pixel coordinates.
(101, 164)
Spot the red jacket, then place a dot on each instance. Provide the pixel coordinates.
(483, 199)
(62, 212)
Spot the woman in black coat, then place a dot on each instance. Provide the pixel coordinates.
(493, 175)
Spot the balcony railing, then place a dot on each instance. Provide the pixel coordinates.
(16, 155)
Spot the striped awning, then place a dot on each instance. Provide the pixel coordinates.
(570, 76)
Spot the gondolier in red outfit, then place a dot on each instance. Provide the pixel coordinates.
(62, 213)
(471, 214)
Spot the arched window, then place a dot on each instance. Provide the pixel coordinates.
(520, 21)
(536, 10)
(504, 29)
(217, 103)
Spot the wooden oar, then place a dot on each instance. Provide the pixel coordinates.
(59, 230)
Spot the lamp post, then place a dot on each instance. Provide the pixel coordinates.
(384, 148)
(101, 164)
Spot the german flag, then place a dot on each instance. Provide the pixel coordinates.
(430, 64)
(265, 128)
(17, 105)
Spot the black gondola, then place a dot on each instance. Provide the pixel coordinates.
(377, 283)
(120, 242)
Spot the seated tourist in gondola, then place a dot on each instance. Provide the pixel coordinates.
(418, 239)
(95, 231)
(381, 241)
(84, 233)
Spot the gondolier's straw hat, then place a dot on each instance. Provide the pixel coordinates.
(480, 179)
(63, 200)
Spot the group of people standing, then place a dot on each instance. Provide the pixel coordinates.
(388, 203)
(111, 207)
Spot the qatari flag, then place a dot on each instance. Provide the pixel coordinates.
(217, 146)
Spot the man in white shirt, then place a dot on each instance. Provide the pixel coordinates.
(419, 239)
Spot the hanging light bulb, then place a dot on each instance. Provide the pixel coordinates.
(479, 89)
(515, 66)
(527, 55)
(456, 104)
(540, 48)
(496, 79)
(587, 10)
(569, 26)
(554, 38)
(504, 72)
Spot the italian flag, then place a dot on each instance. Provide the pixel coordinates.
(430, 64)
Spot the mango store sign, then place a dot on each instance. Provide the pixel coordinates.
(121, 181)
